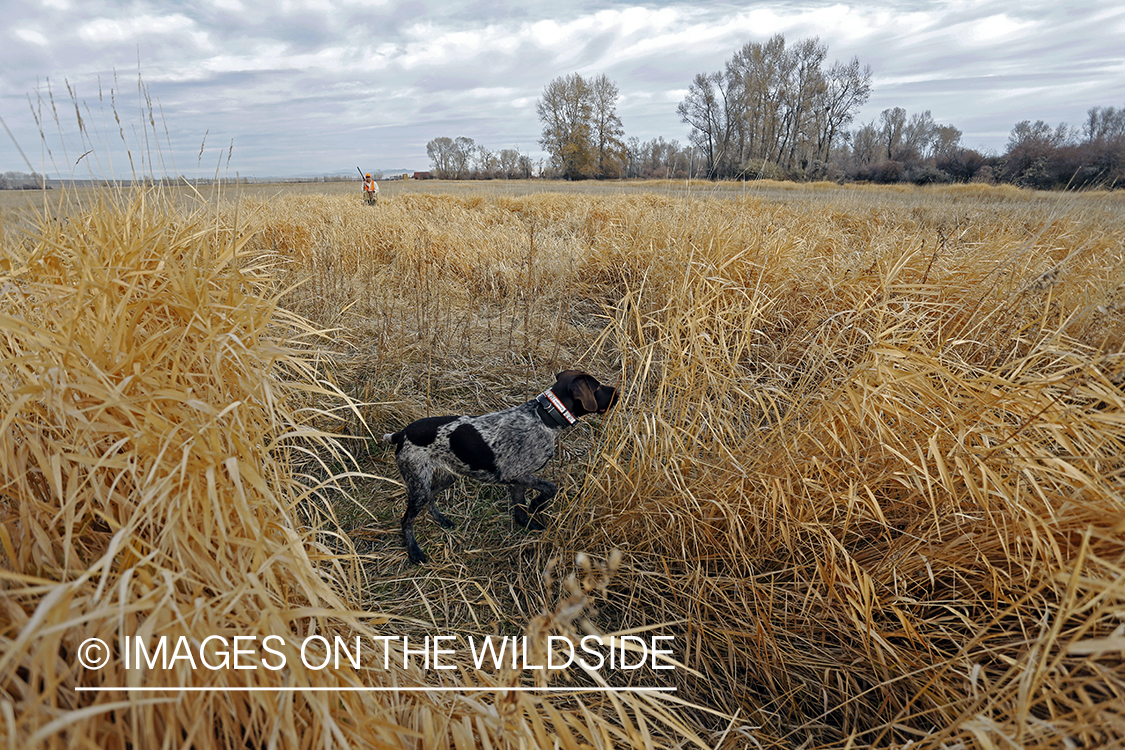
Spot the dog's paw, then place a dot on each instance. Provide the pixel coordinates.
(416, 555)
(521, 516)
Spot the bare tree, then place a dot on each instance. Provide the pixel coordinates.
(565, 111)
(806, 89)
(508, 162)
(1104, 123)
(660, 159)
(758, 80)
(892, 123)
(486, 164)
(1031, 147)
(606, 128)
(464, 150)
(946, 141)
(918, 135)
(847, 88)
(866, 145)
(441, 152)
(633, 157)
(1038, 135)
(707, 109)
(526, 166)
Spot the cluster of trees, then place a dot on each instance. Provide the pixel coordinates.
(1038, 155)
(581, 130)
(774, 110)
(781, 111)
(660, 159)
(582, 134)
(21, 181)
(1042, 156)
(897, 148)
(462, 158)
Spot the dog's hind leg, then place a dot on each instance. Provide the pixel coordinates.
(439, 483)
(417, 498)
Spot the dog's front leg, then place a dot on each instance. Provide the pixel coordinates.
(545, 491)
(439, 483)
(519, 508)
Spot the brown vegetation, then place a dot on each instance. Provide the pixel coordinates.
(867, 469)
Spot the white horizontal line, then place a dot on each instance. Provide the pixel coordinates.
(346, 689)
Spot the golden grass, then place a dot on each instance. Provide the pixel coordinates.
(867, 469)
(159, 406)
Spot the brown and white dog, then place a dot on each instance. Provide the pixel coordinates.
(504, 447)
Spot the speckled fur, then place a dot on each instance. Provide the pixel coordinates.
(504, 447)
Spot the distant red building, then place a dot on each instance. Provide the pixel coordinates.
(423, 176)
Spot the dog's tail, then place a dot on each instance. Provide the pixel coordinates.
(394, 437)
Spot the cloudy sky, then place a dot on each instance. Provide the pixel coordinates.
(321, 86)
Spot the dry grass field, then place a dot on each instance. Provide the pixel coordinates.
(867, 471)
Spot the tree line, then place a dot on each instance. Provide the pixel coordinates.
(21, 181)
(654, 159)
(581, 131)
(462, 158)
(782, 111)
(916, 149)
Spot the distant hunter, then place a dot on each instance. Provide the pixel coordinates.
(370, 190)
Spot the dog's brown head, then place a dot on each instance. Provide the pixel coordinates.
(583, 394)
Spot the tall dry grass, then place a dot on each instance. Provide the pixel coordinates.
(867, 469)
(165, 467)
(895, 473)
(869, 457)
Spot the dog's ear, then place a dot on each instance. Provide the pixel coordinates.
(582, 389)
(567, 375)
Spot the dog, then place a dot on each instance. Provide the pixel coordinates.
(504, 447)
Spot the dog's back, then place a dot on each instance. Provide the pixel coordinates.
(495, 447)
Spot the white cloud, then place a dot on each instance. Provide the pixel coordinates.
(991, 30)
(111, 30)
(430, 46)
(32, 36)
(647, 20)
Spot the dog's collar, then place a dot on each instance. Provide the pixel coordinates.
(553, 410)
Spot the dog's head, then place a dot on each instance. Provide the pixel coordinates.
(582, 394)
